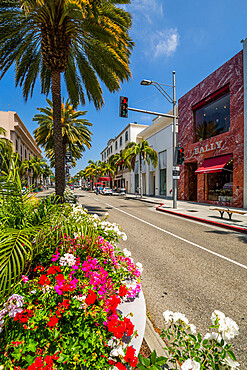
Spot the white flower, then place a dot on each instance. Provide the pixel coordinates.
(190, 365)
(192, 328)
(95, 216)
(124, 237)
(126, 252)
(217, 314)
(230, 363)
(139, 266)
(179, 317)
(67, 260)
(106, 214)
(213, 336)
(228, 328)
(118, 351)
(168, 316)
(33, 291)
(46, 288)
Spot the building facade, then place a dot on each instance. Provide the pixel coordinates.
(18, 134)
(211, 131)
(159, 135)
(124, 178)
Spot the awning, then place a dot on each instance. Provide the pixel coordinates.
(215, 164)
(104, 178)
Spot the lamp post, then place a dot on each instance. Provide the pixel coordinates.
(172, 100)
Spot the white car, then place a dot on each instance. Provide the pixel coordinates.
(107, 191)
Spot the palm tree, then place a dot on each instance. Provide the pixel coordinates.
(34, 164)
(83, 41)
(76, 135)
(93, 170)
(107, 169)
(6, 151)
(143, 151)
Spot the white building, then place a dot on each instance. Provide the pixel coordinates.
(157, 181)
(124, 177)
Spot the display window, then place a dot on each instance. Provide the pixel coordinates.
(219, 185)
(212, 118)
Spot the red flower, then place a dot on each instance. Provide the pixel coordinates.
(60, 278)
(44, 280)
(120, 366)
(39, 268)
(65, 303)
(111, 362)
(114, 302)
(128, 326)
(91, 297)
(53, 321)
(53, 270)
(123, 291)
(23, 316)
(130, 356)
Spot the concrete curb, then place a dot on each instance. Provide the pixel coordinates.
(226, 226)
(153, 340)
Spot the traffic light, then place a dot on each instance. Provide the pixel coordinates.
(180, 155)
(123, 109)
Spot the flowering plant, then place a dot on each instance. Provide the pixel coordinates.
(64, 315)
(192, 351)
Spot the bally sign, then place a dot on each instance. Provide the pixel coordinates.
(208, 147)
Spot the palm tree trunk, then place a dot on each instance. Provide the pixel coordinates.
(140, 158)
(57, 132)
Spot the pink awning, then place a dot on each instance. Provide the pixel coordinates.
(215, 164)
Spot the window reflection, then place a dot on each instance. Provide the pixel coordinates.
(212, 119)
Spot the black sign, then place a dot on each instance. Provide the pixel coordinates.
(68, 157)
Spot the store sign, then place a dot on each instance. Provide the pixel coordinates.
(208, 147)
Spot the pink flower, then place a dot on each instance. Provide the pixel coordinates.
(24, 279)
(55, 257)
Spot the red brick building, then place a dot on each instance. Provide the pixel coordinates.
(211, 130)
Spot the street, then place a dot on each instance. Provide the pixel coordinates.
(188, 266)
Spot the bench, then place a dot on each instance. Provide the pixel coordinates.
(228, 211)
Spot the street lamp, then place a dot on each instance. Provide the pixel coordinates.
(171, 100)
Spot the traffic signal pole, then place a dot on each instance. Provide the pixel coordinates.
(175, 181)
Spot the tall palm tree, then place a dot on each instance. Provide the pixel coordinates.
(143, 151)
(107, 169)
(34, 164)
(93, 170)
(76, 135)
(83, 41)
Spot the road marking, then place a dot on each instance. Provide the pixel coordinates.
(180, 238)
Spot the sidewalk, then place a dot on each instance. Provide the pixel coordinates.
(199, 212)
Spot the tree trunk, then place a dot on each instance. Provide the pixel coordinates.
(57, 132)
(140, 158)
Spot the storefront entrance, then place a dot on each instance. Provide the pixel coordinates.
(192, 181)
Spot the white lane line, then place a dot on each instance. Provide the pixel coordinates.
(180, 238)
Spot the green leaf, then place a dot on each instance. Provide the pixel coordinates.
(161, 360)
(153, 357)
(146, 361)
(231, 355)
(140, 366)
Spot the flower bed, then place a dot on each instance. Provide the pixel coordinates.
(64, 313)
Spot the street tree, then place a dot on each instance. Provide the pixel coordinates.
(141, 151)
(76, 135)
(82, 41)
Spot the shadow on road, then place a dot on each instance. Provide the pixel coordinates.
(219, 219)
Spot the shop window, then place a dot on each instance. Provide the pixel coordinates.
(126, 136)
(121, 141)
(212, 118)
(163, 182)
(219, 185)
(25, 154)
(115, 144)
(16, 145)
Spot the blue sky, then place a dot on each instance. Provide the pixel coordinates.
(191, 37)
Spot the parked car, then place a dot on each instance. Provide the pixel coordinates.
(106, 191)
(122, 191)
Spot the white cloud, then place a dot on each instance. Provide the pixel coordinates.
(164, 42)
(147, 8)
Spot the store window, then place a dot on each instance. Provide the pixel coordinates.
(212, 118)
(115, 144)
(126, 136)
(16, 145)
(121, 141)
(219, 185)
(162, 168)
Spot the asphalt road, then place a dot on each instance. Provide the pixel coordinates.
(189, 266)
